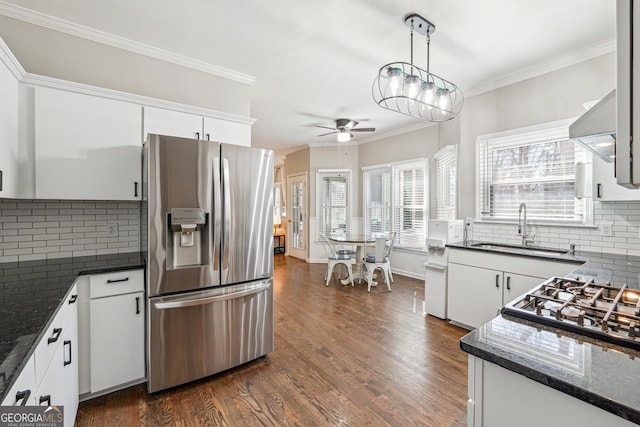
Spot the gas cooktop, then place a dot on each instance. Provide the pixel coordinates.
(600, 311)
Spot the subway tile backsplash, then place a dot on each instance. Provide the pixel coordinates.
(623, 216)
(40, 229)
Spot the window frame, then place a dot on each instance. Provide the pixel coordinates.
(395, 194)
(547, 132)
(320, 174)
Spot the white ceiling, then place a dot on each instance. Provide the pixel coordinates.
(315, 61)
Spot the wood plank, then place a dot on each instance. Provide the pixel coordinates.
(342, 357)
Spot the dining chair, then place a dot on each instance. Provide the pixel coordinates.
(390, 242)
(336, 258)
(379, 260)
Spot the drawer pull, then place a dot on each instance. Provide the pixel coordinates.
(56, 334)
(73, 299)
(509, 282)
(69, 361)
(46, 398)
(126, 279)
(497, 280)
(24, 396)
(137, 305)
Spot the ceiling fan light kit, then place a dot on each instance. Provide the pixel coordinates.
(343, 129)
(411, 90)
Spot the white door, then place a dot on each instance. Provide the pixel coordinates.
(297, 221)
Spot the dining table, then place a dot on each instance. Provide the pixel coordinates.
(359, 240)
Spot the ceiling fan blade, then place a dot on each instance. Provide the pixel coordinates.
(329, 133)
(351, 124)
(363, 130)
(325, 127)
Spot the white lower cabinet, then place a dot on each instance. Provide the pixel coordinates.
(59, 386)
(479, 284)
(115, 333)
(493, 403)
(23, 391)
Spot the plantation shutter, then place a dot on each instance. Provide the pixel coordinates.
(446, 161)
(540, 173)
(333, 215)
(409, 204)
(377, 196)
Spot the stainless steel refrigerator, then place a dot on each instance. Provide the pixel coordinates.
(206, 233)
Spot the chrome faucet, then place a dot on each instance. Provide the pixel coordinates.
(522, 225)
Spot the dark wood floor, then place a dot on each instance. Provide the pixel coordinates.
(342, 357)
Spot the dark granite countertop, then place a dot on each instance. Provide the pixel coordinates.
(508, 249)
(599, 373)
(602, 374)
(30, 295)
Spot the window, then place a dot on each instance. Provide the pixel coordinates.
(395, 199)
(333, 201)
(535, 167)
(446, 177)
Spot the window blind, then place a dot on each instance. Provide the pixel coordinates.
(377, 205)
(540, 173)
(409, 205)
(446, 161)
(333, 202)
(395, 199)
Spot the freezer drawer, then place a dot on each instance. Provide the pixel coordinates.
(201, 333)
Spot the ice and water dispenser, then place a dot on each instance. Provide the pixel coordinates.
(187, 238)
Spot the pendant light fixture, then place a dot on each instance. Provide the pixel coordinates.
(408, 89)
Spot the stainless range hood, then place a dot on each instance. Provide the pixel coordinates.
(596, 129)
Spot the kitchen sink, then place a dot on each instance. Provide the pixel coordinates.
(518, 249)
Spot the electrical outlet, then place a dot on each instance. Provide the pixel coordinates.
(112, 230)
(607, 229)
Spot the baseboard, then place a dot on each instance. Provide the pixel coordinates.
(411, 274)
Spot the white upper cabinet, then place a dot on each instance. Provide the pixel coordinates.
(227, 132)
(172, 123)
(605, 187)
(8, 132)
(86, 147)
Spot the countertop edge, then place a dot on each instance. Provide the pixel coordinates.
(573, 259)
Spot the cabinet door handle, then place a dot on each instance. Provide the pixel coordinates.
(73, 299)
(54, 337)
(197, 135)
(599, 191)
(137, 305)
(24, 396)
(67, 362)
(46, 398)
(509, 282)
(497, 280)
(126, 279)
(135, 189)
(0, 180)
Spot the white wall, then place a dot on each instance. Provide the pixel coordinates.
(55, 54)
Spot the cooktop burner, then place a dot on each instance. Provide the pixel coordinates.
(600, 311)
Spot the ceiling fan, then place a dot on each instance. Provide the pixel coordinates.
(344, 129)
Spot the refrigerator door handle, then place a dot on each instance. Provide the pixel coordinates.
(208, 300)
(217, 204)
(226, 217)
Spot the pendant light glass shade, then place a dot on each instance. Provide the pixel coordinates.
(411, 90)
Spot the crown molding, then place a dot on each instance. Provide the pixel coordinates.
(542, 68)
(57, 24)
(10, 61)
(53, 83)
